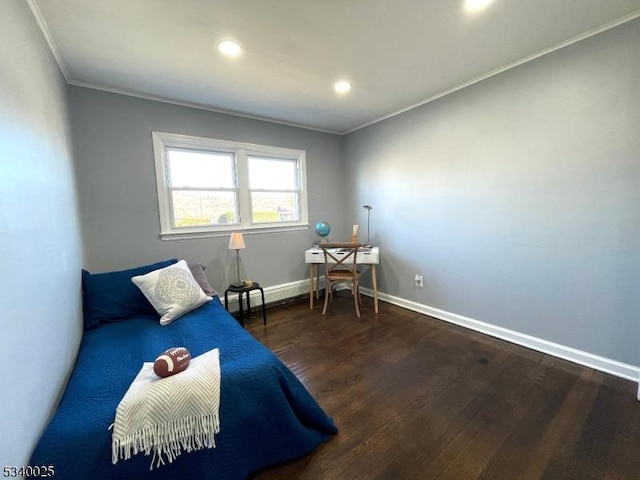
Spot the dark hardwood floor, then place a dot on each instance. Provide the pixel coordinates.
(417, 398)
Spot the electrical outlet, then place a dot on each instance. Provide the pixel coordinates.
(419, 280)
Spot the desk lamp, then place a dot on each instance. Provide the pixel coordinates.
(368, 208)
(236, 242)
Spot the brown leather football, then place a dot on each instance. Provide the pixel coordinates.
(172, 361)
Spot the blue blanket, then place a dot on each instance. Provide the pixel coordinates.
(266, 414)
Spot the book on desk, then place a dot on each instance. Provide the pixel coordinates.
(363, 248)
(360, 249)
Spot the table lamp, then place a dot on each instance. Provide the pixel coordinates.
(236, 242)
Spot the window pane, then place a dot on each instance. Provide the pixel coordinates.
(188, 168)
(272, 174)
(193, 208)
(274, 207)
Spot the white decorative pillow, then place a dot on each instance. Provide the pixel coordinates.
(172, 291)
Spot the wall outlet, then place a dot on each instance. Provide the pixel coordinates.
(419, 280)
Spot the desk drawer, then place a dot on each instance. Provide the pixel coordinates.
(311, 256)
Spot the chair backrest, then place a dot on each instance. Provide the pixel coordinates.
(340, 256)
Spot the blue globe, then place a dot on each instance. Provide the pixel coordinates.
(323, 229)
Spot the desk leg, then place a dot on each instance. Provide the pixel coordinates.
(317, 281)
(374, 279)
(311, 287)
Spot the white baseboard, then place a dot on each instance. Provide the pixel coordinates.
(590, 360)
(272, 294)
(301, 287)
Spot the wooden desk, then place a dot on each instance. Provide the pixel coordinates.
(314, 257)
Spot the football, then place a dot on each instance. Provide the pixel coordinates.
(172, 361)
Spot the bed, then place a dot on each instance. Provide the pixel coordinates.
(267, 416)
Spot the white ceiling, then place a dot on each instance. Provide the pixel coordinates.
(397, 53)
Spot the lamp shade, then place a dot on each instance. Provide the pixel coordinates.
(236, 242)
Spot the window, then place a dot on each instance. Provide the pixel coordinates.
(207, 186)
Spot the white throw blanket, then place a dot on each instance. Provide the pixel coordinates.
(170, 415)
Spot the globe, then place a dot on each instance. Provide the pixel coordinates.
(323, 229)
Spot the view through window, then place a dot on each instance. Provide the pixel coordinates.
(207, 185)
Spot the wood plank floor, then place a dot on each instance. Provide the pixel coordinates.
(417, 398)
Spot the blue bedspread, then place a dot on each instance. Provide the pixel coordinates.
(266, 414)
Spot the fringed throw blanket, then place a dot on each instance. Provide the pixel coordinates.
(170, 415)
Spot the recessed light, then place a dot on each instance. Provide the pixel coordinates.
(342, 86)
(476, 5)
(230, 48)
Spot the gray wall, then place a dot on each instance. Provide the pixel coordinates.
(40, 246)
(119, 203)
(518, 198)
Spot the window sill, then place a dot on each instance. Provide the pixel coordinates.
(226, 231)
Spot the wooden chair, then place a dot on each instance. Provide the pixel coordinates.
(340, 266)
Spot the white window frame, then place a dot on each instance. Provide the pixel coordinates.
(241, 151)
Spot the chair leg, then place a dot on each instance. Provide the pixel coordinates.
(327, 293)
(355, 300)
